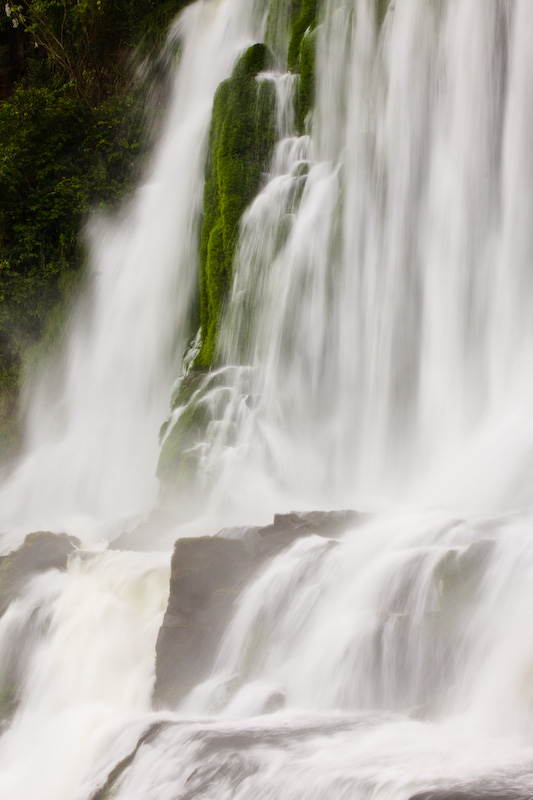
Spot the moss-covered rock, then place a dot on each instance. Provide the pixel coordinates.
(306, 90)
(382, 6)
(240, 145)
(199, 399)
(303, 21)
(301, 56)
(278, 27)
(178, 461)
(39, 552)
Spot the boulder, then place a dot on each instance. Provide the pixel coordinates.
(39, 552)
(207, 576)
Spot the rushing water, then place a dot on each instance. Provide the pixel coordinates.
(377, 350)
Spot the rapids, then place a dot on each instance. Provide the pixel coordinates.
(377, 353)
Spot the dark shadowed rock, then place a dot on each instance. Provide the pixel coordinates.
(287, 528)
(39, 552)
(207, 576)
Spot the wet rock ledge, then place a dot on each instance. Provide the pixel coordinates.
(39, 552)
(207, 575)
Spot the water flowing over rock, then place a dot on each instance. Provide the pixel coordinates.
(207, 576)
(334, 228)
(39, 552)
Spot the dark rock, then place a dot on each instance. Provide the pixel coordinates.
(207, 576)
(289, 527)
(248, 535)
(40, 551)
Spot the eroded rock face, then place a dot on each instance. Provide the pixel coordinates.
(39, 552)
(207, 576)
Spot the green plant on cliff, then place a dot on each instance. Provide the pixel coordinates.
(70, 140)
(240, 143)
(382, 6)
(304, 18)
(301, 56)
(306, 92)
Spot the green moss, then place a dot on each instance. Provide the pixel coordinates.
(187, 388)
(240, 144)
(8, 701)
(382, 6)
(198, 404)
(178, 460)
(10, 427)
(278, 28)
(306, 92)
(303, 21)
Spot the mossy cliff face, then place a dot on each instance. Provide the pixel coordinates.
(301, 56)
(194, 407)
(303, 19)
(240, 145)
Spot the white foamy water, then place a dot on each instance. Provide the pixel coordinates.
(377, 347)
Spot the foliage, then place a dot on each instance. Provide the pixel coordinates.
(57, 158)
(382, 6)
(88, 43)
(305, 20)
(70, 140)
(306, 92)
(241, 140)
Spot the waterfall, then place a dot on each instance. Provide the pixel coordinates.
(393, 323)
(93, 445)
(375, 351)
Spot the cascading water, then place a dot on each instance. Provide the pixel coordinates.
(93, 445)
(377, 343)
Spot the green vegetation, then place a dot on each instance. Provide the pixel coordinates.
(306, 94)
(71, 124)
(301, 22)
(382, 6)
(301, 55)
(241, 140)
(179, 459)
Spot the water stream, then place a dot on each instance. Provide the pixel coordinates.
(376, 353)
